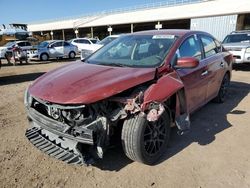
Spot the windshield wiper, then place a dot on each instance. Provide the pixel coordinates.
(113, 64)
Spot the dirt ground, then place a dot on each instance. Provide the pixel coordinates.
(216, 153)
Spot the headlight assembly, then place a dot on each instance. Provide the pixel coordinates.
(27, 98)
(248, 50)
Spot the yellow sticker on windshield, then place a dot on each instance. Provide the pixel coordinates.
(163, 37)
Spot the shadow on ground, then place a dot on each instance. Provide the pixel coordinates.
(241, 67)
(205, 124)
(37, 62)
(14, 79)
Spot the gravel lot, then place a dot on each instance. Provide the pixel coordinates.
(216, 153)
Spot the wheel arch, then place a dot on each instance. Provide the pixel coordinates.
(40, 56)
(168, 89)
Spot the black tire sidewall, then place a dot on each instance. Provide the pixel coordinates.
(44, 54)
(143, 155)
(221, 96)
(72, 56)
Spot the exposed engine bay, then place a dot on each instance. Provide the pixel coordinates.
(84, 130)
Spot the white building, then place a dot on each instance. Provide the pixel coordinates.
(218, 17)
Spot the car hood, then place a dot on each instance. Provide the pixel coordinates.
(236, 45)
(82, 83)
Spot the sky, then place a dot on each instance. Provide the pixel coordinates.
(28, 11)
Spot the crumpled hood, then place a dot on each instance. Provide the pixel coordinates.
(82, 83)
(236, 45)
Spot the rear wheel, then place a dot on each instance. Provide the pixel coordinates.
(44, 57)
(145, 141)
(72, 55)
(221, 97)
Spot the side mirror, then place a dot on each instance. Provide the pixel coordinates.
(186, 63)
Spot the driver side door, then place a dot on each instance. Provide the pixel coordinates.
(196, 79)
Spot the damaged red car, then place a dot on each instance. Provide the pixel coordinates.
(135, 88)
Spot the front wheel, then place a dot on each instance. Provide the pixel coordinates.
(44, 57)
(145, 141)
(72, 55)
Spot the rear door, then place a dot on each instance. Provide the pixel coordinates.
(215, 65)
(84, 44)
(66, 48)
(195, 80)
(56, 49)
(27, 46)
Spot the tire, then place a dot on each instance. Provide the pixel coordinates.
(44, 57)
(145, 141)
(221, 97)
(72, 55)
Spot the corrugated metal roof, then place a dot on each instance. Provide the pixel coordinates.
(197, 10)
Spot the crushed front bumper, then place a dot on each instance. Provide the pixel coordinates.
(42, 141)
(51, 137)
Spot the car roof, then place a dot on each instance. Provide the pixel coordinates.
(21, 41)
(177, 32)
(241, 32)
(80, 38)
(51, 41)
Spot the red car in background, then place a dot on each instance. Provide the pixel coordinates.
(137, 86)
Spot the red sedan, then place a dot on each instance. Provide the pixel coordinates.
(137, 86)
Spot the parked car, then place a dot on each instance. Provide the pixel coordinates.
(238, 43)
(6, 51)
(84, 43)
(53, 49)
(138, 86)
(87, 52)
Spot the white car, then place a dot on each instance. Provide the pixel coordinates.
(53, 49)
(238, 44)
(87, 52)
(84, 43)
(8, 48)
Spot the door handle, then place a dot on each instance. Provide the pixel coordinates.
(222, 64)
(204, 73)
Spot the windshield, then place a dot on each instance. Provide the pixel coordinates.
(9, 44)
(134, 51)
(237, 38)
(107, 40)
(43, 44)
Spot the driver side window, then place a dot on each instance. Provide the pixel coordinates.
(190, 48)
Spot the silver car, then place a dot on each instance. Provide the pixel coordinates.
(238, 43)
(53, 49)
(7, 49)
(87, 52)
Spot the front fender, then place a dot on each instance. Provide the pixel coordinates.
(164, 88)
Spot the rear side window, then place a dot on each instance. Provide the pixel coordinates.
(82, 41)
(76, 41)
(209, 46)
(21, 44)
(66, 44)
(27, 44)
(57, 44)
(218, 45)
(190, 48)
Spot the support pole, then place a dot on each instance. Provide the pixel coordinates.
(63, 35)
(92, 32)
(132, 28)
